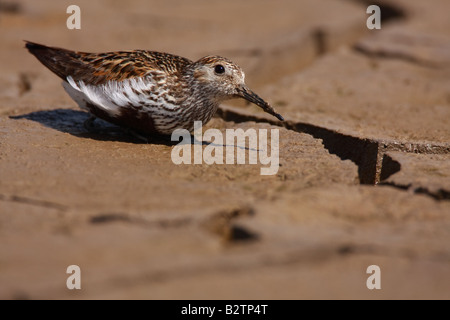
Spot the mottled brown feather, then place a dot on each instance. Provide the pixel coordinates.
(98, 68)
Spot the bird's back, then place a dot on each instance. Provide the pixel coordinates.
(98, 68)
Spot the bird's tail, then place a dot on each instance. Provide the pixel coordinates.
(58, 60)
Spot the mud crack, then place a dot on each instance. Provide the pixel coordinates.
(111, 217)
(10, 7)
(223, 224)
(33, 202)
(369, 154)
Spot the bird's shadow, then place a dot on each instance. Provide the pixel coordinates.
(72, 122)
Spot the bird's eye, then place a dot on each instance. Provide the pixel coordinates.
(219, 69)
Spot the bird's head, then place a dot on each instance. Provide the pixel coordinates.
(222, 79)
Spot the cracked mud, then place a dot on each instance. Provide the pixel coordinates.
(364, 155)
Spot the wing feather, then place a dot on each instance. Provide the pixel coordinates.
(99, 68)
(112, 96)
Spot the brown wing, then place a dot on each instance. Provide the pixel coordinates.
(98, 68)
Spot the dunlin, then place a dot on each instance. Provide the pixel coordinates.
(146, 91)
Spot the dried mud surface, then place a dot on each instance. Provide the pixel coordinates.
(364, 158)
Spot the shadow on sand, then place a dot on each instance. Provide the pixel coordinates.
(71, 121)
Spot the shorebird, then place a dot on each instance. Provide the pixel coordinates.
(146, 91)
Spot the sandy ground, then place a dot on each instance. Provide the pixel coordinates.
(364, 175)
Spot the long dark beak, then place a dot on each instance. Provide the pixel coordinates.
(249, 95)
